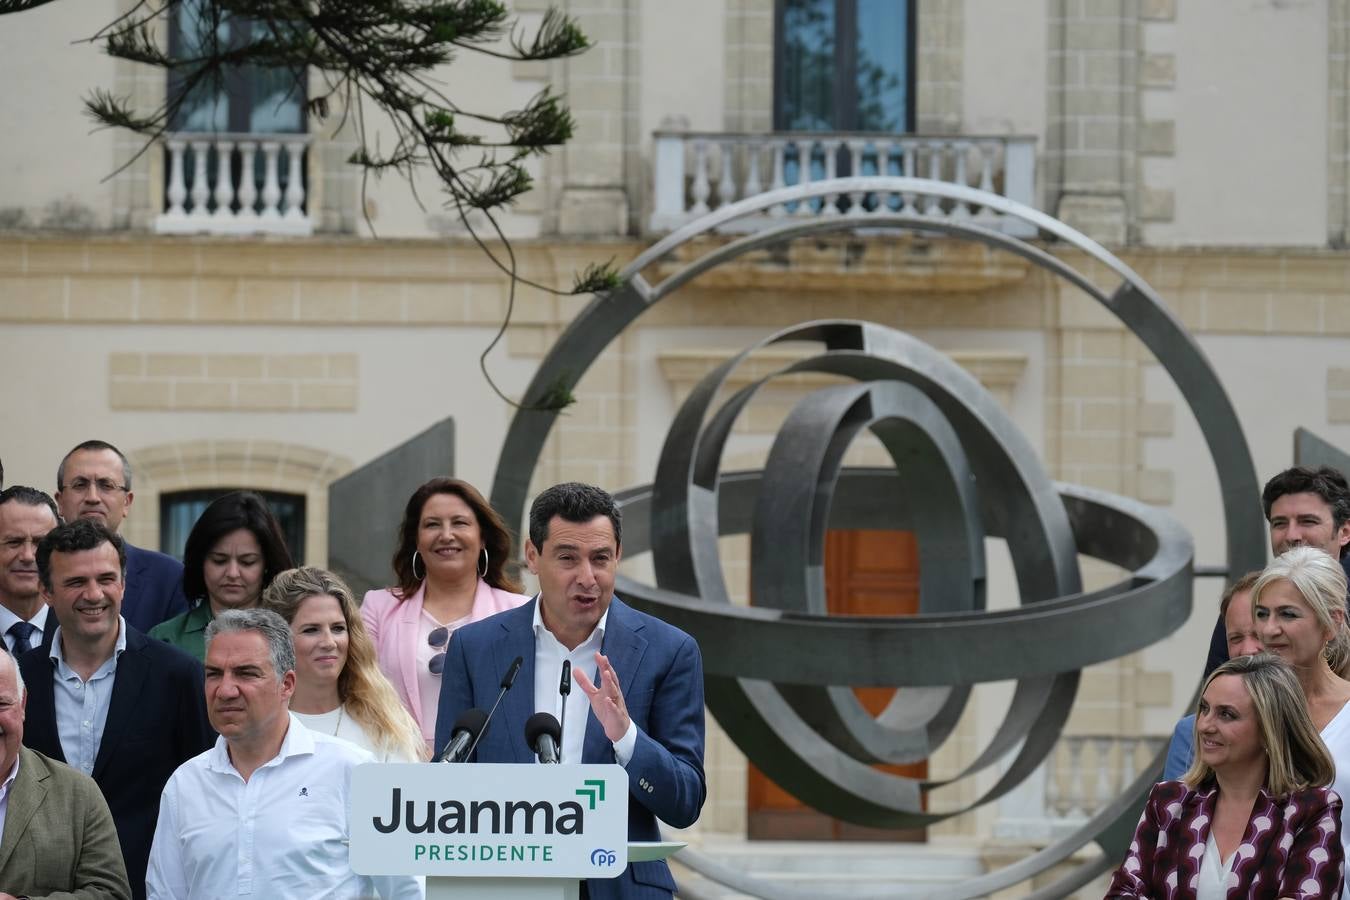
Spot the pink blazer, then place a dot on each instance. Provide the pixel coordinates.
(394, 627)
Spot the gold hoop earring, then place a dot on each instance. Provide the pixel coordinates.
(482, 573)
(414, 567)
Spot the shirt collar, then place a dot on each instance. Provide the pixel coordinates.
(58, 656)
(8, 618)
(299, 741)
(540, 629)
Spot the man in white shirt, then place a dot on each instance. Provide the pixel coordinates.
(264, 812)
(26, 515)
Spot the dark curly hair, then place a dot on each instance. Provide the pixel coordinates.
(74, 537)
(496, 537)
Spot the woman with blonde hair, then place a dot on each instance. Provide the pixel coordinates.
(1299, 606)
(1253, 816)
(339, 688)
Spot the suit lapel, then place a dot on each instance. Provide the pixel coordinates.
(624, 646)
(40, 714)
(518, 704)
(409, 615)
(128, 687)
(25, 796)
(135, 566)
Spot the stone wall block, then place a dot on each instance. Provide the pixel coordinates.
(1158, 70)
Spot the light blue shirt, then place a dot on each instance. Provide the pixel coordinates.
(1180, 753)
(82, 706)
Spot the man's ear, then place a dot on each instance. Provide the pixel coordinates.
(531, 557)
(126, 507)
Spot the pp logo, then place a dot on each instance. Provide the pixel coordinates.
(602, 857)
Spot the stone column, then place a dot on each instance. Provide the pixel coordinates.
(1090, 159)
(599, 170)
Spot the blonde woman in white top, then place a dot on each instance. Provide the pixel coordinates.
(339, 688)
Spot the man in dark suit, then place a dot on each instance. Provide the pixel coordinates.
(58, 839)
(94, 482)
(105, 699)
(26, 515)
(644, 707)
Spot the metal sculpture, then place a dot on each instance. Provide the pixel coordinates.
(779, 672)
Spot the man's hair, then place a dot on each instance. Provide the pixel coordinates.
(1295, 755)
(271, 626)
(93, 445)
(19, 493)
(1242, 585)
(572, 502)
(74, 537)
(1324, 481)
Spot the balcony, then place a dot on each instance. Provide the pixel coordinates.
(235, 184)
(698, 172)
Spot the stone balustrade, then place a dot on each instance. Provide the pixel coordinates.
(235, 184)
(697, 172)
(1082, 774)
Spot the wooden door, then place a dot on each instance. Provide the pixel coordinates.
(867, 573)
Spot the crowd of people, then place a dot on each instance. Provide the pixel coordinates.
(1251, 799)
(189, 730)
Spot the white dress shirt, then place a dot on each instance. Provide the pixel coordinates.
(282, 834)
(4, 793)
(82, 706)
(549, 654)
(39, 621)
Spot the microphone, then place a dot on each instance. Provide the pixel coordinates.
(467, 728)
(543, 734)
(507, 680)
(565, 689)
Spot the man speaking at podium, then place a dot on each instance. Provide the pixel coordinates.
(639, 696)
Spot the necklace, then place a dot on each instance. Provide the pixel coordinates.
(338, 726)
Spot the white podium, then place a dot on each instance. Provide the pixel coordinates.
(492, 831)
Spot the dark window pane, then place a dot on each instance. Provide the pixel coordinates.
(808, 71)
(882, 65)
(180, 510)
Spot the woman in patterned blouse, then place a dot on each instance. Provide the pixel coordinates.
(1252, 817)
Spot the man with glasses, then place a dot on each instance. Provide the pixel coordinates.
(94, 482)
(26, 515)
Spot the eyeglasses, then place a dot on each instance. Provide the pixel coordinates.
(104, 485)
(440, 639)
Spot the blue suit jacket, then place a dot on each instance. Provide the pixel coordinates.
(661, 674)
(156, 722)
(1181, 749)
(154, 589)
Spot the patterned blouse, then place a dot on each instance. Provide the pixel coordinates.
(1292, 846)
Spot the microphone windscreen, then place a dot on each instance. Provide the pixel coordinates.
(542, 723)
(471, 720)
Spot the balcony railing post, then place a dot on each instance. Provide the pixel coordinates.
(702, 189)
(224, 192)
(271, 193)
(248, 190)
(668, 194)
(201, 191)
(1019, 180)
(295, 185)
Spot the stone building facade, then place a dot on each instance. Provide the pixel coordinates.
(281, 362)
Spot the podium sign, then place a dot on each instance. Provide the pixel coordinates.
(489, 820)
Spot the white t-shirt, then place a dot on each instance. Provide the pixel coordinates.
(1336, 735)
(339, 724)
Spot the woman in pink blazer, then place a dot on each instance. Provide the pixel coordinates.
(450, 567)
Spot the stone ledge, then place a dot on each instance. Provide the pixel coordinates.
(233, 382)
